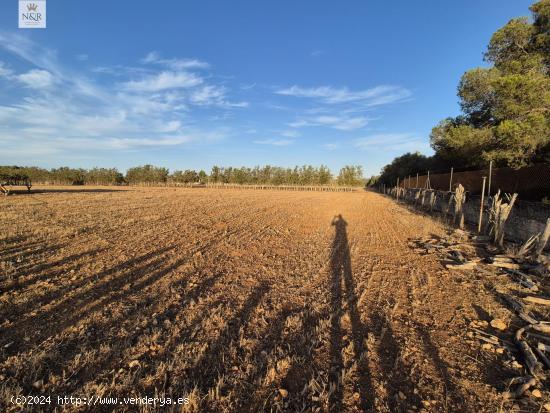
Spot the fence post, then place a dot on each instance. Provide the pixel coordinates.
(428, 184)
(451, 181)
(397, 190)
(490, 175)
(417, 180)
(481, 205)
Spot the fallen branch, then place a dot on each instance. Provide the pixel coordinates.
(523, 279)
(528, 245)
(537, 300)
(533, 365)
(490, 338)
(519, 308)
(538, 336)
(543, 357)
(466, 266)
(528, 382)
(503, 264)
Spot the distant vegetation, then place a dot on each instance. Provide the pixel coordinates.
(350, 175)
(505, 107)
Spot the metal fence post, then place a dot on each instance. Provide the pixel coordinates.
(451, 181)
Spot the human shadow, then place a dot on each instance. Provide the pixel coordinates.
(344, 300)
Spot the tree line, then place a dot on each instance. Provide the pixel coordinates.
(350, 175)
(505, 107)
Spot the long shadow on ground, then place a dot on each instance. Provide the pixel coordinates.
(342, 300)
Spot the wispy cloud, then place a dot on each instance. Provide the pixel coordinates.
(342, 108)
(344, 123)
(392, 141)
(317, 53)
(290, 133)
(4, 70)
(375, 96)
(36, 79)
(274, 142)
(70, 112)
(175, 64)
(163, 81)
(214, 96)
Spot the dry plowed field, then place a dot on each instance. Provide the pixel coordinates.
(240, 300)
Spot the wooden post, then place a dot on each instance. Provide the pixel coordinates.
(451, 181)
(409, 181)
(417, 180)
(544, 238)
(397, 190)
(481, 205)
(490, 175)
(428, 184)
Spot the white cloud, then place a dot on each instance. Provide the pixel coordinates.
(171, 126)
(162, 81)
(392, 141)
(290, 133)
(69, 112)
(26, 49)
(375, 96)
(211, 95)
(274, 142)
(344, 123)
(175, 64)
(208, 95)
(341, 108)
(317, 53)
(81, 57)
(36, 79)
(4, 70)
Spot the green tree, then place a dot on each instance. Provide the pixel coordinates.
(507, 106)
(351, 175)
(403, 166)
(147, 174)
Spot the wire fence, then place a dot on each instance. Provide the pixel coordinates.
(531, 183)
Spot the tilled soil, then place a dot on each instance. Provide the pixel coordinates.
(240, 300)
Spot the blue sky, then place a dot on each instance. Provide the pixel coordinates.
(197, 83)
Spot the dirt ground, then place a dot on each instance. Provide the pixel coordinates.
(239, 300)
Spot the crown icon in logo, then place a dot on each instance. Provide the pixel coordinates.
(32, 7)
